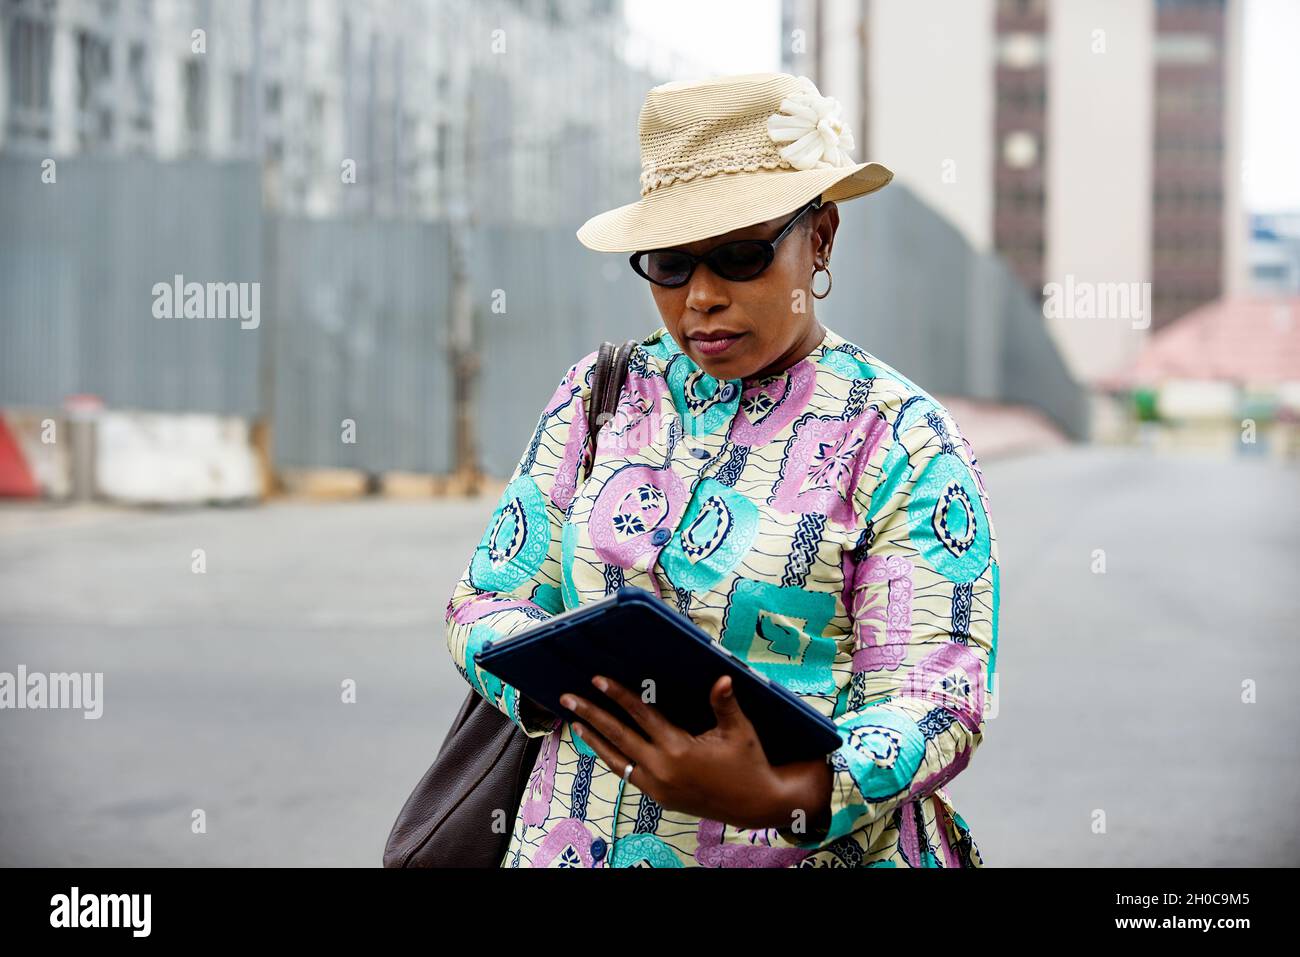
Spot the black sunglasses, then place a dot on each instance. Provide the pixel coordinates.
(738, 261)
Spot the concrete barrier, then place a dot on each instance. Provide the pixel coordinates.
(156, 458)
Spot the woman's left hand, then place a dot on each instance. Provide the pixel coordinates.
(722, 774)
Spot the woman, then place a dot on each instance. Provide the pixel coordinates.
(800, 500)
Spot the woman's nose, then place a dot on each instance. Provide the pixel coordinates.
(706, 291)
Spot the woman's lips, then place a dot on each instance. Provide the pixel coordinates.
(714, 347)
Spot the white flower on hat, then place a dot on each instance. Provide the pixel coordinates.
(811, 124)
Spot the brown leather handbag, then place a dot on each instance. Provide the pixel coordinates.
(485, 760)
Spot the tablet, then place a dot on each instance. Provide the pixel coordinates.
(642, 643)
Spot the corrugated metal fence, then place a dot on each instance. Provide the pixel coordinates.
(353, 313)
(79, 258)
(356, 331)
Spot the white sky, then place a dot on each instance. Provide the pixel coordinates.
(743, 36)
(717, 36)
(1272, 105)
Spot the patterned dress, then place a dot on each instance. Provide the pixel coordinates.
(827, 524)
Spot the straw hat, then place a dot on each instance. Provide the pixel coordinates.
(731, 151)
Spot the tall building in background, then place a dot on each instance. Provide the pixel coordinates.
(1020, 137)
(1193, 141)
(440, 107)
(1097, 203)
(1093, 142)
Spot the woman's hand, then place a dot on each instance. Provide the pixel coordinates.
(722, 774)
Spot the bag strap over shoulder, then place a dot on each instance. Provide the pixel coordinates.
(606, 386)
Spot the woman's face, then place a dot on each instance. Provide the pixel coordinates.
(771, 317)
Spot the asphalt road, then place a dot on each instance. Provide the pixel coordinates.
(1120, 697)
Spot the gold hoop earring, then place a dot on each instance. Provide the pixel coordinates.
(829, 281)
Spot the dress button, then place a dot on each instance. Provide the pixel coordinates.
(660, 535)
(728, 392)
(598, 849)
(700, 453)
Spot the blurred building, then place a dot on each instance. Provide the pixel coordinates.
(1274, 254)
(1225, 376)
(495, 106)
(1097, 142)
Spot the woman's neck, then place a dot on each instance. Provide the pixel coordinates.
(806, 343)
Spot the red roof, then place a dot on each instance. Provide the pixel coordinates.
(1255, 341)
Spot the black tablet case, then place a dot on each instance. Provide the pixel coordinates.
(632, 636)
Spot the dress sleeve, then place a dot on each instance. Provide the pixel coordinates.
(513, 579)
(921, 589)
